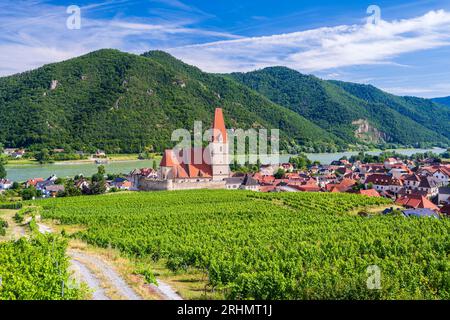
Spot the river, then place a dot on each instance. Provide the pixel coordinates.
(25, 172)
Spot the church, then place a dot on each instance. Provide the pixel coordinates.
(194, 168)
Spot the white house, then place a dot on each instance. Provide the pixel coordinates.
(5, 184)
(442, 176)
(389, 162)
(444, 195)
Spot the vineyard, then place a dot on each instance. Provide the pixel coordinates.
(271, 246)
(36, 269)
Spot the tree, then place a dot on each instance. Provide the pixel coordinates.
(154, 165)
(43, 156)
(2, 171)
(300, 161)
(280, 173)
(29, 193)
(70, 189)
(98, 184)
(101, 170)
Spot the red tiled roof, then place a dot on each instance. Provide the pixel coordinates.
(384, 180)
(168, 159)
(187, 167)
(266, 188)
(220, 132)
(416, 201)
(306, 187)
(33, 182)
(369, 193)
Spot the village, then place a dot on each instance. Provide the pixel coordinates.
(421, 186)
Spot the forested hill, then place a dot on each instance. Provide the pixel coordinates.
(122, 102)
(340, 106)
(444, 101)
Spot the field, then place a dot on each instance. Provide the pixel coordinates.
(36, 268)
(270, 246)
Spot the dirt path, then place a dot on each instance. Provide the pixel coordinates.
(166, 291)
(98, 274)
(82, 274)
(111, 280)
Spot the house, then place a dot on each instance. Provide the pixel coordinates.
(442, 176)
(428, 185)
(246, 182)
(416, 201)
(343, 186)
(18, 154)
(52, 190)
(371, 168)
(9, 151)
(288, 167)
(383, 182)
(411, 181)
(390, 162)
(268, 189)
(100, 154)
(420, 213)
(398, 171)
(121, 184)
(267, 170)
(250, 184)
(234, 182)
(33, 182)
(444, 195)
(308, 187)
(82, 184)
(5, 184)
(445, 210)
(420, 184)
(343, 171)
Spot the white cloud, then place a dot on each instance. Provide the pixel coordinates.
(33, 34)
(324, 48)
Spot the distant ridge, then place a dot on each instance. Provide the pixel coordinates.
(353, 112)
(444, 101)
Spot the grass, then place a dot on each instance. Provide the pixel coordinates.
(14, 230)
(111, 157)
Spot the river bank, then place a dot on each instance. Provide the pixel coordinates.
(120, 164)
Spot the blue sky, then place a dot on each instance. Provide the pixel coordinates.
(405, 53)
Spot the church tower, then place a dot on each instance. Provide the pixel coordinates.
(219, 148)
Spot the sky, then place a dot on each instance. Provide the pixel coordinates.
(402, 47)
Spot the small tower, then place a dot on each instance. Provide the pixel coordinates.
(219, 148)
(166, 166)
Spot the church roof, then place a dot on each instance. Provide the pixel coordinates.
(220, 131)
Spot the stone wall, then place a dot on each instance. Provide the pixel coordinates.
(160, 185)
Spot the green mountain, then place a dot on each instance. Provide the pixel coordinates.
(122, 102)
(445, 101)
(351, 111)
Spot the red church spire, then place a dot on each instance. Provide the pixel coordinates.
(219, 127)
